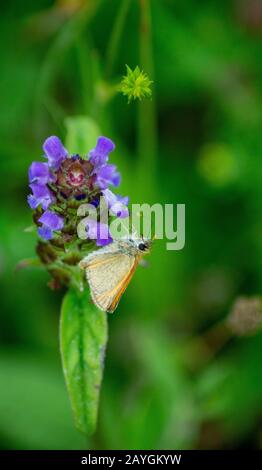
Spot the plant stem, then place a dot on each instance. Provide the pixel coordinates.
(147, 131)
(115, 37)
(65, 39)
(56, 112)
(84, 55)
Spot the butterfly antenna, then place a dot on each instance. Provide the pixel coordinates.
(134, 232)
(149, 233)
(126, 228)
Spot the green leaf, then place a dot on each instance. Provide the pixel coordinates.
(28, 262)
(83, 337)
(82, 134)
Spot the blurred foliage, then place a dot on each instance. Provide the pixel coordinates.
(175, 376)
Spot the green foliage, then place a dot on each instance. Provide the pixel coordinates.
(172, 378)
(83, 337)
(81, 136)
(229, 391)
(33, 403)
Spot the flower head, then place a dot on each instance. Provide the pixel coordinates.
(61, 184)
(135, 84)
(73, 176)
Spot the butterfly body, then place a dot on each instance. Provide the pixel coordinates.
(110, 269)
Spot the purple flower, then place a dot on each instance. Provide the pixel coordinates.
(41, 196)
(106, 175)
(99, 155)
(40, 173)
(74, 178)
(50, 222)
(95, 202)
(80, 197)
(45, 232)
(116, 203)
(55, 152)
(99, 232)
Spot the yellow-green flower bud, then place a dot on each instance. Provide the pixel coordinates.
(136, 84)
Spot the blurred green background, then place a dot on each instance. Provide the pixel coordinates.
(175, 375)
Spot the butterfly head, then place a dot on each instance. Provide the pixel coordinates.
(143, 245)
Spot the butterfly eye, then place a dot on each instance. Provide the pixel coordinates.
(142, 247)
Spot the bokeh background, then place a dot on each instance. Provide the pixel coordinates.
(179, 374)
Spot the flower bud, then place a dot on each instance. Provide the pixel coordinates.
(135, 84)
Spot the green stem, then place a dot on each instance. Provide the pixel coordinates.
(147, 129)
(84, 55)
(56, 112)
(65, 39)
(115, 37)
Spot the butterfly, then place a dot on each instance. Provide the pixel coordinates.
(110, 269)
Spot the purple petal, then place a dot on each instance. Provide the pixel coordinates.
(116, 178)
(80, 197)
(55, 152)
(120, 210)
(91, 229)
(75, 157)
(116, 203)
(104, 145)
(32, 201)
(95, 202)
(41, 196)
(109, 196)
(107, 175)
(40, 173)
(123, 199)
(99, 232)
(45, 233)
(103, 236)
(104, 241)
(99, 155)
(52, 220)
